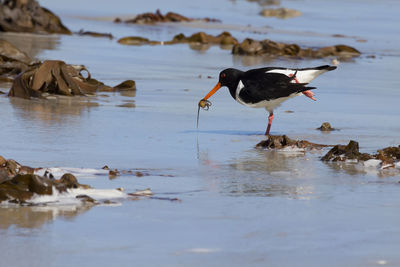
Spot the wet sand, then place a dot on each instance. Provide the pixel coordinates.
(240, 205)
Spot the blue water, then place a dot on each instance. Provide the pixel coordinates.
(240, 206)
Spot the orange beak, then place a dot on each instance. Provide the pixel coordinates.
(212, 91)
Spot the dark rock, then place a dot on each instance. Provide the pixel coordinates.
(113, 173)
(86, 199)
(282, 13)
(282, 141)
(270, 48)
(248, 47)
(29, 16)
(348, 152)
(128, 85)
(326, 127)
(69, 181)
(95, 34)
(266, 2)
(20, 188)
(223, 39)
(388, 157)
(58, 78)
(133, 40)
(127, 105)
(157, 17)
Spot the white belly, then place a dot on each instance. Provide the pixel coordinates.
(269, 105)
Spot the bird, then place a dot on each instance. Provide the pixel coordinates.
(267, 87)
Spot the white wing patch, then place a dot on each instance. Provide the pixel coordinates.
(303, 76)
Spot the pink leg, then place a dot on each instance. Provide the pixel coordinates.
(309, 94)
(270, 118)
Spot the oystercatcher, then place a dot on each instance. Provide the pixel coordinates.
(267, 87)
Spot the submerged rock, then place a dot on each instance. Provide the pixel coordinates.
(57, 77)
(95, 34)
(248, 46)
(282, 13)
(270, 48)
(267, 2)
(223, 39)
(137, 40)
(128, 85)
(29, 16)
(282, 141)
(326, 127)
(158, 17)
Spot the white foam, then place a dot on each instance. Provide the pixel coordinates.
(69, 197)
(372, 163)
(397, 165)
(292, 149)
(77, 172)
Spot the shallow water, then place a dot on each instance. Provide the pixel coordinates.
(239, 205)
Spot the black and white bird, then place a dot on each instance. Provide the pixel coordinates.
(268, 87)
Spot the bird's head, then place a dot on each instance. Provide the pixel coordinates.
(229, 78)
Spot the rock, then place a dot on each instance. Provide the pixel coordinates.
(86, 199)
(157, 17)
(348, 152)
(342, 51)
(282, 141)
(128, 85)
(267, 2)
(113, 173)
(57, 78)
(20, 188)
(282, 13)
(127, 105)
(133, 40)
(69, 181)
(95, 34)
(223, 39)
(248, 47)
(29, 16)
(325, 127)
(270, 48)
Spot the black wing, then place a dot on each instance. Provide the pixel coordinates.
(259, 86)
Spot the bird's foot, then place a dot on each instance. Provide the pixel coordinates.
(309, 94)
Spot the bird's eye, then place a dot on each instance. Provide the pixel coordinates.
(223, 75)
